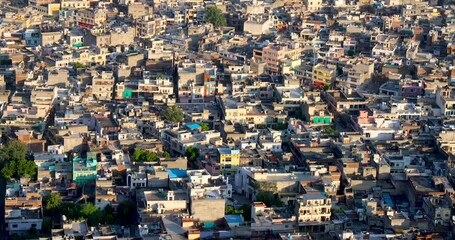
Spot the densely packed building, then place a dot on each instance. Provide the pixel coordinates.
(191, 119)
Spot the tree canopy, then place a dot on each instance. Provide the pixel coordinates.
(13, 151)
(14, 163)
(53, 202)
(160, 75)
(326, 87)
(91, 213)
(192, 153)
(77, 65)
(141, 155)
(174, 114)
(125, 212)
(204, 126)
(166, 155)
(244, 210)
(269, 199)
(329, 130)
(215, 16)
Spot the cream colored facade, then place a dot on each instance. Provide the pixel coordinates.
(75, 4)
(313, 5)
(90, 18)
(313, 207)
(103, 85)
(85, 56)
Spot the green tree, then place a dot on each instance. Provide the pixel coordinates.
(326, 87)
(71, 211)
(280, 126)
(25, 168)
(269, 199)
(53, 202)
(32, 232)
(215, 16)
(13, 151)
(126, 212)
(204, 126)
(339, 70)
(108, 215)
(46, 227)
(14, 163)
(350, 53)
(8, 170)
(192, 153)
(173, 114)
(166, 155)
(91, 213)
(160, 75)
(329, 130)
(229, 210)
(141, 155)
(246, 211)
(88, 209)
(77, 65)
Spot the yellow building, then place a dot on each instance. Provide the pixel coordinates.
(323, 74)
(51, 9)
(229, 159)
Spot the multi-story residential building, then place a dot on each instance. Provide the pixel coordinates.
(74, 4)
(323, 75)
(229, 160)
(257, 24)
(179, 141)
(265, 219)
(164, 201)
(232, 110)
(103, 85)
(313, 208)
(358, 71)
(341, 101)
(385, 47)
(274, 54)
(408, 111)
(248, 181)
(23, 212)
(84, 55)
(438, 210)
(112, 37)
(148, 27)
(32, 37)
(313, 5)
(89, 18)
(445, 99)
(446, 141)
(84, 171)
(40, 2)
(207, 195)
(159, 87)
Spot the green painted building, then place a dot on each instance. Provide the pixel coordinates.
(84, 170)
(127, 94)
(322, 120)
